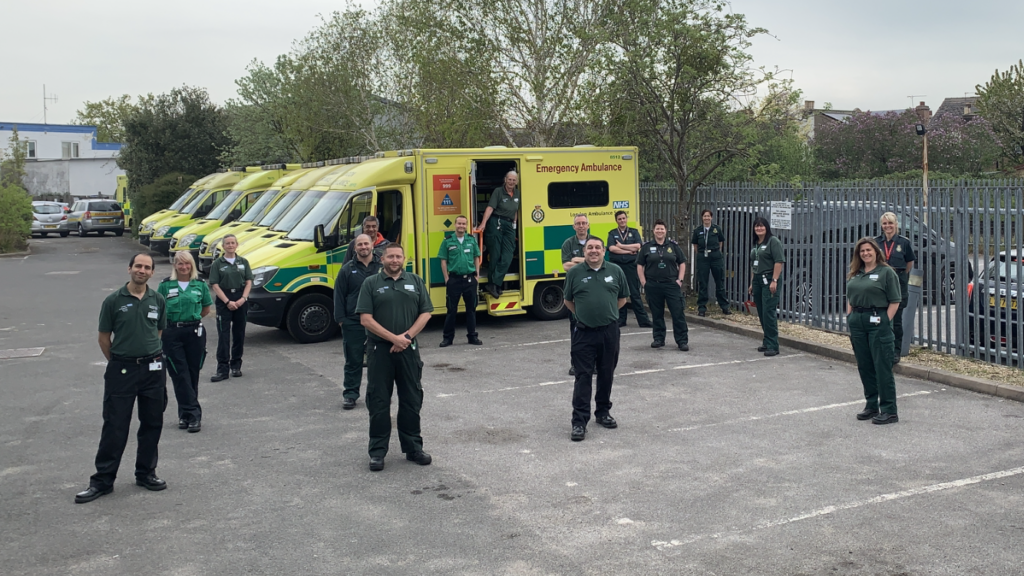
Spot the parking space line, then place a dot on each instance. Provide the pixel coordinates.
(525, 344)
(636, 373)
(792, 412)
(667, 545)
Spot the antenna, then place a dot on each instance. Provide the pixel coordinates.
(45, 100)
(914, 96)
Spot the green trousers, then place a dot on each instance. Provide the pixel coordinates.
(658, 295)
(714, 265)
(897, 320)
(385, 371)
(872, 345)
(767, 310)
(500, 240)
(354, 337)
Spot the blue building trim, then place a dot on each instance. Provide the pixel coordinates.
(62, 128)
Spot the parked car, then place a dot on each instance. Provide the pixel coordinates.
(96, 215)
(994, 304)
(47, 218)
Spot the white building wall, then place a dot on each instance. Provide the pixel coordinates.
(93, 172)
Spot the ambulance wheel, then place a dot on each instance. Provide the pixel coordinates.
(311, 319)
(548, 303)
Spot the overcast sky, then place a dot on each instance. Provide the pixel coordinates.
(871, 54)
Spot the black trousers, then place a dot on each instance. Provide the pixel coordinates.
(633, 279)
(660, 294)
(384, 371)
(124, 384)
(590, 347)
(185, 352)
(460, 288)
(230, 336)
(354, 344)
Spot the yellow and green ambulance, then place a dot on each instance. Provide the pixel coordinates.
(149, 223)
(121, 195)
(416, 195)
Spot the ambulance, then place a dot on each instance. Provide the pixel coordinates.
(121, 196)
(209, 197)
(149, 223)
(416, 195)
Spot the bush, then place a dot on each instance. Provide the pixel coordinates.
(160, 194)
(15, 218)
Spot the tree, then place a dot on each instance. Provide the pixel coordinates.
(160, 194)
(109, 115)
(869, 145)
(960, 147)
(180, 131)
(1001, 102)
(12, 162)
(15, 217)
(683, 75)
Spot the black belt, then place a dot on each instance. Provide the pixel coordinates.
(709, 250)
(900, 270)
(505, 218)
(862, 309)
(450, 275)
(580, 326)
(142, 360)
(183, 324)
(663, 281)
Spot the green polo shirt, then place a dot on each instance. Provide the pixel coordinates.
(764, 256)
(230, 276)
(875, 289)
(573, 248)
(712, 239)
(898, 252)
(504, 205)
(661, 261)
(596, 293)
(460, 256)
(631, 236)
(394, 304)
(135, 323)
(185, 305)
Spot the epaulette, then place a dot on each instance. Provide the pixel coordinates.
(168, 279)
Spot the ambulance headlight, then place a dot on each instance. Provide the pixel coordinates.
(263, 275)
(186, 240)
(162, 230)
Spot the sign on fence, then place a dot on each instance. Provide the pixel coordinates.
(782, 215)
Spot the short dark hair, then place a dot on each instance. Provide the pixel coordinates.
(391, 245)
(463, 216)
(767, 229)
(369, 219)
(661, 222)
(705, 211)
(594, 239)
(623, 212)
(131, 263)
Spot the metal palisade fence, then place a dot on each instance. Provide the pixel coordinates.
(968, 236)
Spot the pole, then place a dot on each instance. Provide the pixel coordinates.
(44, 103)
(925, 197)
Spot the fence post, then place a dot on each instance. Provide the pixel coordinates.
(817, 262)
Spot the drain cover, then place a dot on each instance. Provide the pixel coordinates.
(20, 353)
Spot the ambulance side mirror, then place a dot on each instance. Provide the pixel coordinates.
(318, 237)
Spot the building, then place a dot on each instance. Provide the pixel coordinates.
(65, 160)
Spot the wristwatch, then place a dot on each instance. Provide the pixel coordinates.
(407, 337)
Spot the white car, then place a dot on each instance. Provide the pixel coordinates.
(49, 217)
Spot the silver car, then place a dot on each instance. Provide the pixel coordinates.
(49, 218)
(96, 215)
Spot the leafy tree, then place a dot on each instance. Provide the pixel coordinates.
(962, 148)
(12, 162)
(15, 218)
(180, 131)
(160, 194)
(109, 115)
(868, 145)
(1001, 102)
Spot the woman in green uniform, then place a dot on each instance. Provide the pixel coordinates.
(766, 261)
(899, 254)
(661, 265)
(184, 340)
(872, 299)
(708, 241)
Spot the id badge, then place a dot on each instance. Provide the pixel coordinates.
(765, 280)
(707, 253)
(155, 366)
(199, 330)
(875, 319)
(755, 263)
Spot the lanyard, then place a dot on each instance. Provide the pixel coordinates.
(888, 248)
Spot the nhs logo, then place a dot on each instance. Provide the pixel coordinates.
(620, 204)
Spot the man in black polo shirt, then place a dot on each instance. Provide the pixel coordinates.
(572, 254)
(346, 294)
(135, 315)
(499, 228)
(623, 244)
(595, 290)
(394, 306)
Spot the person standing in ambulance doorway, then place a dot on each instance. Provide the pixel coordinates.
(370, 228)
(230, 280)
(872, 300)
(130, 326)
(499, 228)
(708, 241)
(661, 266)
(899, 254)
(595, 290)
(460, 265)
(623, 244)
(572, 255)
(184, 341)
(346, 294)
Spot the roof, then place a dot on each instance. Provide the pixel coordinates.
(61, 128)
(955, 106)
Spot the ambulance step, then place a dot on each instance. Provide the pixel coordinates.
(507, 305)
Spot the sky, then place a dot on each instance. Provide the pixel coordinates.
(871, 54)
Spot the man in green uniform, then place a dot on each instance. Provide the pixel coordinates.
(661, 266)
(572, 254)
(499, 228)
(394, 306)
(135, 316)
(594, 291)
(346, 294)
(623, 244)
(460, 266)
(899, 253)
(708, 241)
(230, 280)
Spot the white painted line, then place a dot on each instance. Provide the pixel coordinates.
(486, 348)
(790, 412)
(66, 272)
(21, 353)
(666, 545)
(636, 373)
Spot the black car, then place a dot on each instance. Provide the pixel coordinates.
(994, 304)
